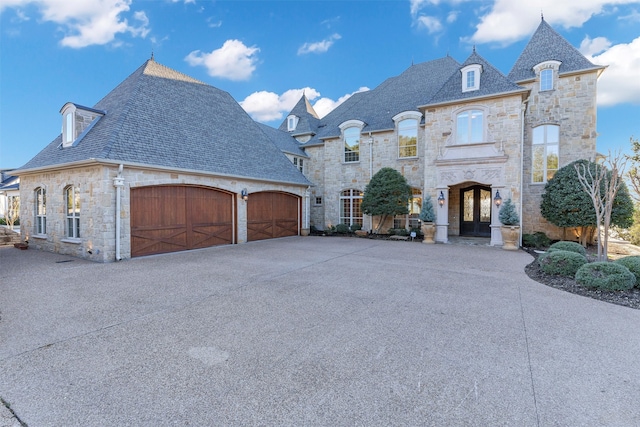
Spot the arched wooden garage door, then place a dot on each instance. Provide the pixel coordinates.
(272, 214)
(172, 218)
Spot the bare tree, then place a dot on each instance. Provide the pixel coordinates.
(602, 185)
(634, 173)
(13, 210)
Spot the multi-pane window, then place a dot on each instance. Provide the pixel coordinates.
(299, 163)
(41, 211)
(411, 220)
(470, 127)
(318, 200)
(545, 144)
(72, 197)
(546, 80)
(471, 79)
(352, 144)
(408, 138)
(350, 211)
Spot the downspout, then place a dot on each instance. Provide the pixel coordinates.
(118, 182)
(307, 207)
(523, 109)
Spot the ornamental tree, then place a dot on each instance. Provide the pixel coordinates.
(565, 203)
(386, 194)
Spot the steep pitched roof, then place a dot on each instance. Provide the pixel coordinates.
(283, 140)
(307, 117)
(377, 107)
(160, 117)
(492, 82)
(545, 45)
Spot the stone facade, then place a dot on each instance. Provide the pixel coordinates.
(98, 206)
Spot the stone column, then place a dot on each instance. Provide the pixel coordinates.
(496, 235)
(442, 215)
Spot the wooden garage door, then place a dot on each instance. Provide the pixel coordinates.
(177, 218)
(271, 214)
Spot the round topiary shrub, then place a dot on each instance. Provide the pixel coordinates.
(342, 228)
(633, 264)
(356, 227)
(568, 246)
(561, 263)
(606, 276)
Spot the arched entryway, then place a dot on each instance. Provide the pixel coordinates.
(475, 211)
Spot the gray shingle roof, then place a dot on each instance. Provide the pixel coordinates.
(283, 140)
(492, 82)
(307, 118)
(545, 45)
(160, 117)
(376, 108)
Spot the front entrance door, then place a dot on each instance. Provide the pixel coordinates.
(475, 211)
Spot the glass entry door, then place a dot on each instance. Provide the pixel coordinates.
(475, 211)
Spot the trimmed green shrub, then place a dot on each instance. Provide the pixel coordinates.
(356, 227)
(508, 214)
(561, 263)
(633, 264)
(568, 246)
(426, 213)
(606, 276)
(342, 229)
(536, 240)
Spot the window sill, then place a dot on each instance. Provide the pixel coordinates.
(73, 241)
(351, 163)
(408, 158)
(39, 236)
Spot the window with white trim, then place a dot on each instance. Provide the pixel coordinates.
(299, 163)
(546, 79)
(351, 144)
(545, 158)
(41, 211)
(72, 197)
(408, 138)
(292, 122)
(318, 200)
(350, 210)
(470, 127)
(471, 77)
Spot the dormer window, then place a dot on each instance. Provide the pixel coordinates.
(76, 122)
(546, 72)
(351, 140)
(292, 122)
(471, 77)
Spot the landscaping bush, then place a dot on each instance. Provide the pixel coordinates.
(342, 229)
(633, 264)
(356, 227)
(536, 240)
(605, 275)
(561, 263)
(568, 246)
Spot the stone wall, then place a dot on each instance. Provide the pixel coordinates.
(98, 202)
(572, 106)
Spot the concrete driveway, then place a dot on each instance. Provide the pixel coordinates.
(317, 331)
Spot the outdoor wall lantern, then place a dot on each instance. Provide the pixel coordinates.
(244, 194)
(497, 200)
(441, 199)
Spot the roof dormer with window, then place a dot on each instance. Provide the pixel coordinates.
(292, 122)
(471, 77)
(546, 72)
(76, 122)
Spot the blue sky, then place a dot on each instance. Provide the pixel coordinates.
(266, 53)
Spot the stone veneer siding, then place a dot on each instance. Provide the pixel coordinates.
(572, 106)
(98, 203)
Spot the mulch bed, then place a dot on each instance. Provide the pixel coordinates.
(630, 298)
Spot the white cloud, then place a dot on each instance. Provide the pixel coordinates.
(509, 21)
(233, 61)
(87, 23)
(416, 5)
(431, 23)
(213, 23)
(266, 106)
(319, 47)
(619, 82)
(452, 17)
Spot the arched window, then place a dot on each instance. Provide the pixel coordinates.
(41, 211)
(470, 127)
(408, 138)
(72, 197)
(350, 212)
(546, 79)
(351, 145)
(545, 155)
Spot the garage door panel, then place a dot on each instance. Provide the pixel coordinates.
(272, 214)
(174, 218)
